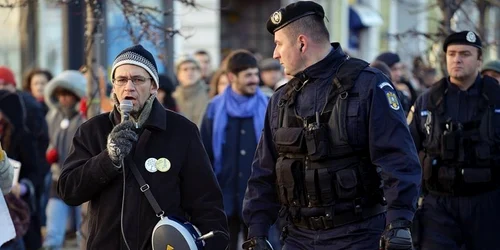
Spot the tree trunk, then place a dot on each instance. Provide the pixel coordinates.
(92, 53)
(28, 35)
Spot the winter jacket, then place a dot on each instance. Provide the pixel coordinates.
(192, 101)
(63, 122)
(187, 190)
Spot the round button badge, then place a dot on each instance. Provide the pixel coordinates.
(150, 165)
(163, 164)
(64, 124)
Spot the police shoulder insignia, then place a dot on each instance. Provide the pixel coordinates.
(385, 84)
(393, 100)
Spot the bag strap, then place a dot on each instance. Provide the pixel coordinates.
(143, 186)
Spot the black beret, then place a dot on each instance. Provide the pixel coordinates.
(464, 38)
(293, 12)
(389, 58)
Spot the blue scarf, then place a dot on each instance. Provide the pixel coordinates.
(231, 104)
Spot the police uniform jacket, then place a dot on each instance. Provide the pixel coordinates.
(460, 107)
(187, 190)
(375, 124)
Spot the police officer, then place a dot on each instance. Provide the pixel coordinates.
(330, 136)
(456, 128)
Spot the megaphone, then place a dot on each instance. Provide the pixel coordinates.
(173, 234)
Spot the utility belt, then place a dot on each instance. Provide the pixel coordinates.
(460, 181)
(334, 220)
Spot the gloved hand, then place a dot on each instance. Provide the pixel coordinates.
(257, 243)
(120, 141)
(397, 236)
(52, 156)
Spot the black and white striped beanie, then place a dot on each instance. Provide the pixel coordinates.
(139, 56)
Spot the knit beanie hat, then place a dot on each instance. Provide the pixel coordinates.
(139, 56)
(6, 76)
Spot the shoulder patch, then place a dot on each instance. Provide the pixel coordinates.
(385, 84)
(424, 113)
(393, 100)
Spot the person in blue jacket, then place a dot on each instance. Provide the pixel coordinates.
(336, 160)
(456, 128)
(230, 130)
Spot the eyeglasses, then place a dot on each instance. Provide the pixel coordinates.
(136, 80)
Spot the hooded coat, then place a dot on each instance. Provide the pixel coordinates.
(63, 121)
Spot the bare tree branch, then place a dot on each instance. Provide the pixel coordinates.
(448, 9)
(15, 4)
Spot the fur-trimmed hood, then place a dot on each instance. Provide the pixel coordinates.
(71, 80)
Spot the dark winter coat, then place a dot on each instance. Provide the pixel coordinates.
(187, 189)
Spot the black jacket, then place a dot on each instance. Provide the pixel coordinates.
(188, 189)
(37, 125)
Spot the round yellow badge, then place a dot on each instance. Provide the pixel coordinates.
(163, 164)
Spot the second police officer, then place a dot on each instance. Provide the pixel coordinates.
(331, 135)
(456, 128)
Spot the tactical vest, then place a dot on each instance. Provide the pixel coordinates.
(461, 158)
(317, 168)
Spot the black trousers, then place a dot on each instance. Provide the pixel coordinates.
(457, 223)
(355, 236)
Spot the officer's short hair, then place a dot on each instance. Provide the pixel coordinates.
(312, 26)
(240, 60)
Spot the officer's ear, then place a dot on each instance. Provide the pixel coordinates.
(302, 43)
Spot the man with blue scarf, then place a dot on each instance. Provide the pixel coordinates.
(230, 130)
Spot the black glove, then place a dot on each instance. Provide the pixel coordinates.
(397, 236)
(257, 243)
(120, 141)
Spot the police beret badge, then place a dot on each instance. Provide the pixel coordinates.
(471, 37)
(463, 37)
(276, 17)
(291, 13)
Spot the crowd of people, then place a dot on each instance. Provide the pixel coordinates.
(307, 149)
